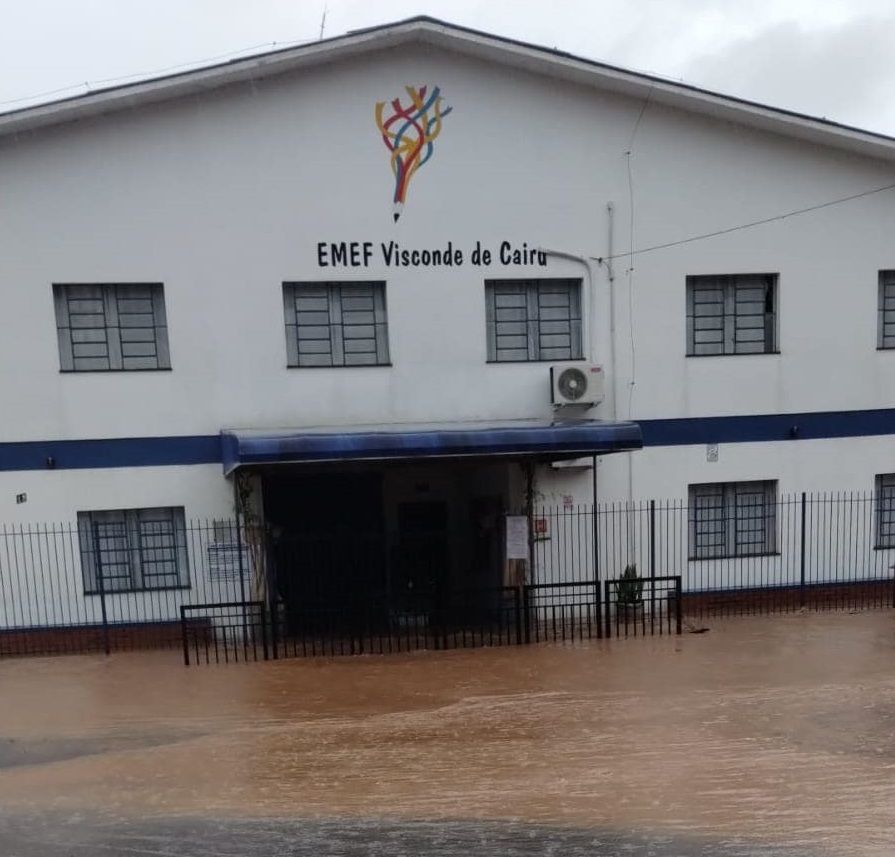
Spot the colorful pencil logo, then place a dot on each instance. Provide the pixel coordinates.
(409, 132)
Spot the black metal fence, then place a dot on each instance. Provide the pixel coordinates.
(802, 551)
(227, 592)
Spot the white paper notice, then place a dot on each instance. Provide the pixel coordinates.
(517, 537)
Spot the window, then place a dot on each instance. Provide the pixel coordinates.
(885, 511)
(133, 550)
(533, 320)
(886, 311)
(731, 314)
(111, 327)
(731, 519)
(336, 324)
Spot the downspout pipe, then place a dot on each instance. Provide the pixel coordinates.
(588, 262)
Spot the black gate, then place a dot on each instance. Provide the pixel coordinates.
(500, 616)
(643, 606)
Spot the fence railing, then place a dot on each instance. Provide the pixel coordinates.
(70, 588)
(815, 551)
(104, 586)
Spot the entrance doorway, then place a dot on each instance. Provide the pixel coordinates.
(376, 546)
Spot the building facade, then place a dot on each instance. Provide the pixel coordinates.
(405, 228)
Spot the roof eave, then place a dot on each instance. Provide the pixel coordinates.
(533, 58)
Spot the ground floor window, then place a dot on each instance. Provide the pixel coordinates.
(133, 549)
(732, 519)
(885, 510)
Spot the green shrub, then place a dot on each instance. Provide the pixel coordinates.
(629, 589)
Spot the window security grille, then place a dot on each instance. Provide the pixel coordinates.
(731, 519)
(731, 314)
(133, 549)
(885, 510)
(886, 310)
(111, 327)
(336, 324)
(529, 320)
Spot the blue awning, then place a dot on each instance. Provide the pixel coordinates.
(544, 440)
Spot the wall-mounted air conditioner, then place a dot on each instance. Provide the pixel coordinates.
(576, 384)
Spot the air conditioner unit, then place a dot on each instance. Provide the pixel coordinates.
(576, 384)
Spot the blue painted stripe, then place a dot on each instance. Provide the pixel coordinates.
(111, 452)
(206, 449)
(767, 427)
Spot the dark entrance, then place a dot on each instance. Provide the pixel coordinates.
(376, 548)
(328, 544)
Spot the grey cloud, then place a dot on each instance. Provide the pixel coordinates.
(845, 74)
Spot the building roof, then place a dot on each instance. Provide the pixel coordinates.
(465, 41)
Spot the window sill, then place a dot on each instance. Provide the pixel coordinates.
(538, 360)
(110, 371)
(884, 547)
(745, 354)
(347, 366)
(96, 592)
(733, 556)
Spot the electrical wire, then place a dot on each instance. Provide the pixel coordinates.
(630, 273)
(149, 75)
(631, 252)
(778, 217)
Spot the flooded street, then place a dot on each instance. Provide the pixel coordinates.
(762, 736)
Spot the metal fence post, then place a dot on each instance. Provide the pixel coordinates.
(608, 602)
(517, 610)
(242, 582)
(652, 565)
(526, 612)
(183, 636)
(596, 539)
(678, 601)
(802, 556)
(269, 554)
(263, 613)
(98, 566)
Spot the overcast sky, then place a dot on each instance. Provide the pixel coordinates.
(830, 58)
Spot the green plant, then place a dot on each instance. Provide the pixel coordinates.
(630, 587)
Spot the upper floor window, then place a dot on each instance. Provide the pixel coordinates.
(732, 519)
(885, 510)
(885, 325)
(533, 320)
(733, 314)
(111, 327)
(336, 324)
(130, 550)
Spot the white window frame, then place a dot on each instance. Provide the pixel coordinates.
(885, 311)
(884, 517)
(729, 320)
(123, 327)
(725, 513)
(541, 313)
(333, 331)
(134, 547)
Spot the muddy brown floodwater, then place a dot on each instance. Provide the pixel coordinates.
(762, 736)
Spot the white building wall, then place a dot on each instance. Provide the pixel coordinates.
(225, 196)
